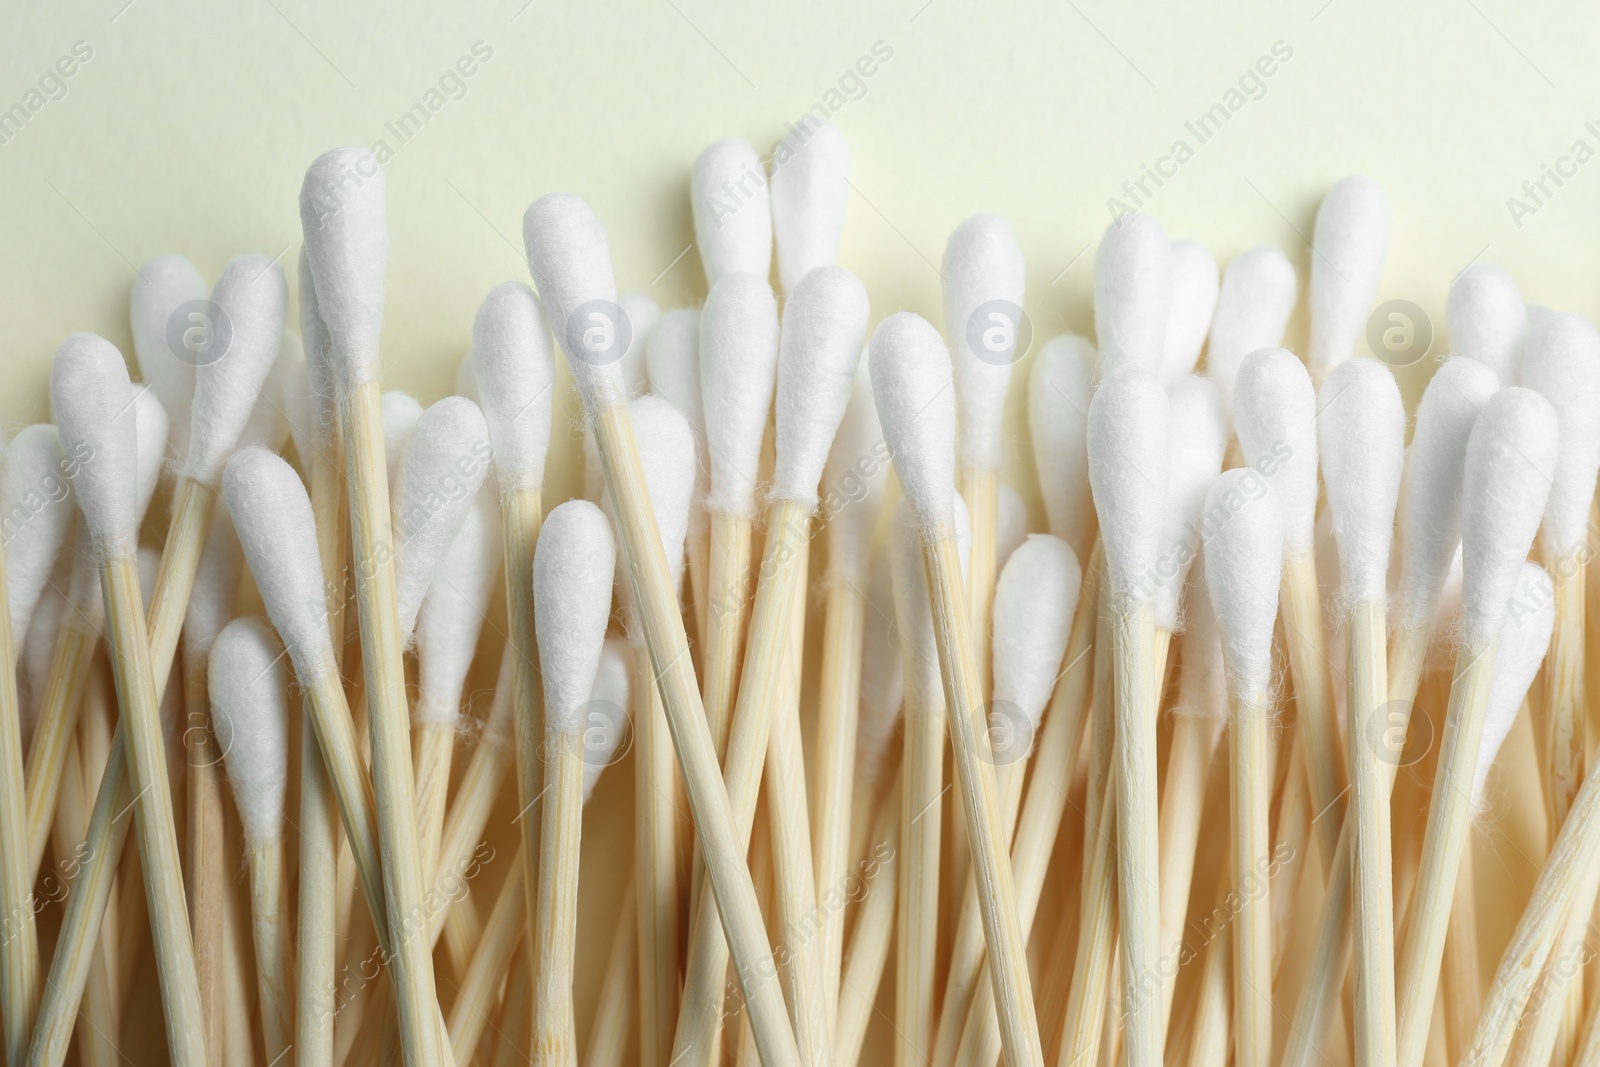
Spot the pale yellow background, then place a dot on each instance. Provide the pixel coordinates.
(190, 129)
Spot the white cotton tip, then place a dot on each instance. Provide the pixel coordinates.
(1130, 455)
(318, 349)
(883, 675)
(269, 423)
(452, 613)
(272, 517)
(732, 215)
(216, 587)
(167, 312)
(251, 302)
(346, 235)
(643, 315)
(824, 327)
(666, 453)
(1347, 250)
(38, 515)
(1361, 435)
(92, 401)
(1060, 388)
(445, 463)
(1561, 361)
(38, 649)
(1524, 639)
(1487, 319)
(673, 365)
(1011, 527)
(250, 704)
(1132, 294)
(1253, 308)
(1274, 416)
(299, 404)
(467, 377)
(1194, 300)
(913, 606)
(400, 413)
(607, 713)
(572, 572)
(738, 369)
(1202, 680)
(912, 384)
(516, 373)
(151, 437)
(1244, 564)
(570, 259)
(1430, 513)
(810, 189)
(984, 277)
(1034, 600)
(852, 486)
(1199, 440)
(1511, 461)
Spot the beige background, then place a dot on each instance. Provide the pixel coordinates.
(190, 127)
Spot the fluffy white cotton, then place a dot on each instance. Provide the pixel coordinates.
(516, 372)
(1132, 294)
(643, 315)
(38, 513)
(1561, 361)
(346, 234)
(1253, 307)
(452, 613)
(318, 349)
(1244, 564)
(1274, 413)
(1524, 638)
(250, 706)
(913, 606)
(251, 302)
(1347, 250)
(1199, 440)
(810, 188)
(1034, 600)
(92, 401)
(883, 675)
(1430, 506)
(157, 312)
(852, 486)
(268, 423)
(39, 647)
(272, 517)
(1361, 434)
(984, 278)
(1202, 681)
(444, 465)
(572, 571)
(1194, 299)
(673, 362)
(666, 454)
(467, 377)
(400, 413)
(824, 325)
(732, 215)
(1487, 319)
(1060, 388)
(738, 370)
(151, 443)
(1129, 460)
(216, 587)
(300, 409)
(911, 382)
(570, 258)
(1511, 459)
(609, 704)
(1011, 524)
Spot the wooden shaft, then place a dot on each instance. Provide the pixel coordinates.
(203, 867)
(1182, 803)
(469, 813)
(19, 948)
(1588, 1054)
(1564, 690)
(1449, 820)
(556, 933)
(614, 1007)
(838, 708)
(238, 989)
(373, 552)
(1210, 1034)
(728, 607)
(483, 976)
(714, 820)
(980, 489)
(516, 1010)
(1546, 1037)
(1250, 796)
(435, 745)
(922, 789)
(1301, 609)
(1462, 989)
(874, 927)
(657, 859)
(1373, 748)
(269, 929)
(59, 711)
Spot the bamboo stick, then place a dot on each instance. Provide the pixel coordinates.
(657, 859)
(614, 1008)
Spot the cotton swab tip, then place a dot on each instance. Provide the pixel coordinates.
(250, 701)
(1194, 300)
(573, 566)
(1199, 441)
(984, 275)
(1348, 246)
(1361, 432)
(1253, 307)
(810, 190)
(1034, 601)
(1274, 413)
(92, 400)
(1244, 562)
(824, 325)
(1129, 460)
(1561, 361)
(913, 387)
(342, 219)
(1132, 294)
(453, 613)
(569, 256)
(738, 369)
(1524, 639)
(1060, 388)
(606, 718)
(516, 383)
(1487, 319)
(732, 215)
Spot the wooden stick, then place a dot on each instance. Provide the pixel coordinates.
(59, 712)
(19, 949)
(727, 610)
(269, 926)
(1211, 1036)
(1300, 604)
(238, 1039)
(556, 933)
(434, 746)
(921, 815)
(874, 927)
(1548, 1039)
(1463, 989)
(1373, 900)
(97, 1038)
(1449, 821)
(1290, 840)
(657, 859)
(481, 980)
(1182, 803)
(410, 961)
(714, 816)
(1250, 795)
(614, 1008)
(1564, 692)
(516, 1009)
(203, 867)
